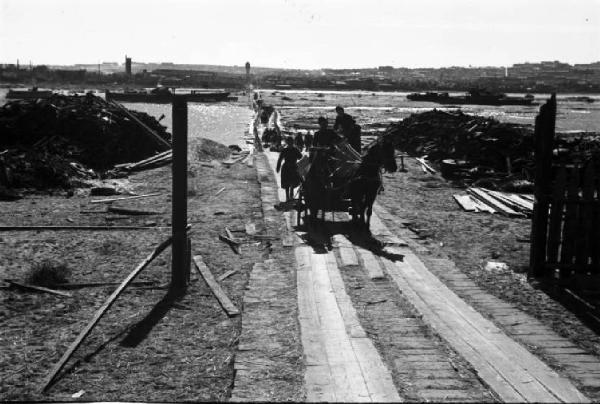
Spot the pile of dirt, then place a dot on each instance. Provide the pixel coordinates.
(207, 149)
(480, 141)
(46, 143)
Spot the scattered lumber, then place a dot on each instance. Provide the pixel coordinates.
(26, 286)
(214, 286)
(426, 167)
(159, 159)
(483, 196)
(227, 274)
(232, 160)
(235, 246)
(92, 228)
(124, 198)
(100, 312)
(465, 202)
(99, 284)
(127, 211)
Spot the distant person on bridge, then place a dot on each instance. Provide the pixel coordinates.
(346, 125)
(290, 178)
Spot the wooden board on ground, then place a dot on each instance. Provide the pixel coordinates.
(465, 202)
(36, 288)
(370, 264)
(214, 286)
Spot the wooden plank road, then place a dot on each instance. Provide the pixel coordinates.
(342, 363)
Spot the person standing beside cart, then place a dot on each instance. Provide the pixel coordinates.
(290, 178)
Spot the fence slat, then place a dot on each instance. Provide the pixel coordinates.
(586, 217)
(556, 215)
(571, 220)
(596, 234)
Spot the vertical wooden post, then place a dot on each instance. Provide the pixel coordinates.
(180, 263)
(544, 143)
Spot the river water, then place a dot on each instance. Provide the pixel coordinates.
(217, 121)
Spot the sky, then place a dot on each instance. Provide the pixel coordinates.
(306, 34)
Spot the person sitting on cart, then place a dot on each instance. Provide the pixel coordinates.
(325, 137)
(322, 149)
(290, 178)
(347, 127)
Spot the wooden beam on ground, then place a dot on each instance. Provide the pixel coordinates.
(124, 198)
(233, 244)
(227, 274)
(127, 211)
(36, 288)
(480, 194)
(214, 286)
(90, 228)
(465, 202)
(99, 284)
(100, 312)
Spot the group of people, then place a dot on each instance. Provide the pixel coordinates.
(345, 127)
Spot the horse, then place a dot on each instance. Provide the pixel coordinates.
(366, 183)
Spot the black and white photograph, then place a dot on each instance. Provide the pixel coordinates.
(300, 201)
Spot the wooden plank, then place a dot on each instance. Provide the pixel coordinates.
(100, 312)
(134, 212)
(465, 202)
(523, 371)
(36, 288)
(124, 198)
(91, 228)
(227, 274)
(571, 218)
(556, 216)
(370, 264)
(505, 199)
(214, 286)
(584, 253)
(99, 284)
(480, 194)
(347, 254)
(234, 245)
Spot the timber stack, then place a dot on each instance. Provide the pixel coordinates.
(476, 147)
(55, 142)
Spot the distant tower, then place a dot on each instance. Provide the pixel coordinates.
(127, 65)
(248, 74)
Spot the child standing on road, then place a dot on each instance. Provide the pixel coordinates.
(290, 178)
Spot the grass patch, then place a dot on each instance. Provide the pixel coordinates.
(48, 273)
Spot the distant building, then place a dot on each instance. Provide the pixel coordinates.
(127, 65)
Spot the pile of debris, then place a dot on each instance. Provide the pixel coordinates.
(481, 142)
(54, 142)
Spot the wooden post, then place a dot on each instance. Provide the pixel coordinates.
(544, 143)
(180, 263)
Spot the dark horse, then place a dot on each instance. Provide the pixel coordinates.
(366, 183)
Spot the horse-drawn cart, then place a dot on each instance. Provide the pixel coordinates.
(326, 175)
(338, 179)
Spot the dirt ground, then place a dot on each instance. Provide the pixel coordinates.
(148, 346)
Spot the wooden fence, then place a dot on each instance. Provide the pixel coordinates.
(565, 234)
